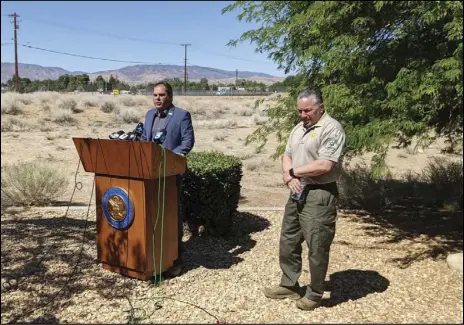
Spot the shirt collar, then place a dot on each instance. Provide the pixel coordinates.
(165, 111)
(318, 124)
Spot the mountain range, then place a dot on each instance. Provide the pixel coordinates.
(136, 74)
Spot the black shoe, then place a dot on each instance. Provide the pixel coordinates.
(176, 269)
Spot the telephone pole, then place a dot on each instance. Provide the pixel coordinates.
(15, 28)
(185, 68)
(236, 77)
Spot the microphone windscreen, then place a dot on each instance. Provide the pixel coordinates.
(116, 135)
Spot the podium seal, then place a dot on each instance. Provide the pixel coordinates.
(118, 208)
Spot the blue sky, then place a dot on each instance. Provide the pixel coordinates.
(105, 29)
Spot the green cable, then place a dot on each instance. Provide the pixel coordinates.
(162, 216)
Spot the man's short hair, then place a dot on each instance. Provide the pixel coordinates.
(167, 86)
(308, 92)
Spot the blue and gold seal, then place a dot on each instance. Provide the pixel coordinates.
(118, 208)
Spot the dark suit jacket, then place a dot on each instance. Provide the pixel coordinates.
(180, 137)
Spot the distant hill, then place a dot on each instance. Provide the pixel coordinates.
(138, 73)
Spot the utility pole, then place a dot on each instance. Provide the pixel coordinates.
(236, 77)
(15, 28)
(185, 68)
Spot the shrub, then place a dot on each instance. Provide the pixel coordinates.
(26, 99)
(446, 176)
(438, 186)
(13, 125)
(11, 106)
(359, 189)
(107, 107)
(64, 118)
(90, 103)
(30, 183)
(129, 115)
(128, 101)
(211, 190)
(69, 104)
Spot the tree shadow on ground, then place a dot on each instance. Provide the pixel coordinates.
(223, 252)
(353, 285)
(42, 260)
(45, 257)
(428, 213)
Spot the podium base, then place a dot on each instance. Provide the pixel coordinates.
(128, 272)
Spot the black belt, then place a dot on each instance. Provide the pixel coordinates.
(325, 186)
(332, 187)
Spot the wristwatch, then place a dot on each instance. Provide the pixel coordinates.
(290, 171)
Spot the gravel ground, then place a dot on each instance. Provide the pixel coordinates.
(376, 275)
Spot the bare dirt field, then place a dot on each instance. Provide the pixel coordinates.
(41, 126)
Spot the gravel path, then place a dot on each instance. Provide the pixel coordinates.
(375, 276)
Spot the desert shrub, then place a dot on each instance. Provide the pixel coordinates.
(14, 125)
(244, 112)
(26, 99)
(217, 124)
(438, 186)
(219, 137)
(211, 190)
(63, 117)
(90, 103)
(107, 107)
(129, 115)
(446, 177)
(69, 104)
(128, 101)
(259, 120)
(31, 183)
(11, 105)
(359, 189)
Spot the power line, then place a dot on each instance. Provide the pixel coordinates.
(135, 62)
(136, 39)
(130, 38)
(123, 61)
(89, 57)
(231, 56)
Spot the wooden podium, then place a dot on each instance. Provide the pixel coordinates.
(127, 177)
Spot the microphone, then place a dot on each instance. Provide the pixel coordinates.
(160, 136)
(126, 136)
(116, 135)
(138, 131)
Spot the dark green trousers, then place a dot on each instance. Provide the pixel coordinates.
(312, 220)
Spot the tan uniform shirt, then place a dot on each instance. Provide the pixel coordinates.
(323, 141)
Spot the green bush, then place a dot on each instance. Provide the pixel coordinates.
(211, 190)
(359, 189)
(31, 183)
(438, 187)
(447, 177)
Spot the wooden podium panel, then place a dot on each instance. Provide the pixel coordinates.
(122, 166)
(130, 251)
(130, 159)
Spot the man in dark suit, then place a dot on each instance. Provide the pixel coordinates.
(174, 126)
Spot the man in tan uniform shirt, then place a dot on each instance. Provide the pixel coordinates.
(310, 168)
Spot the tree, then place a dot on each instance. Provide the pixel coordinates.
(388, 70)
(204, 84)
